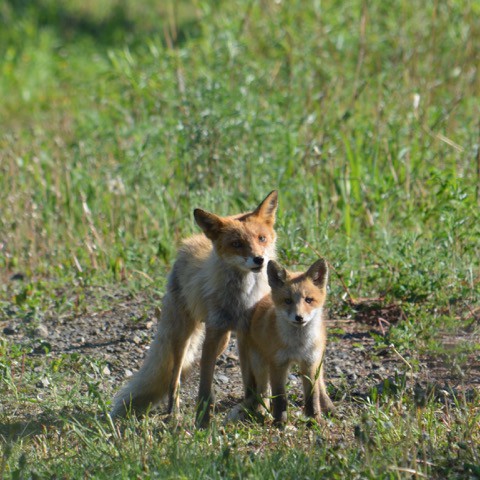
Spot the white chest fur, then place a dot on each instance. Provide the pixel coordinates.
(300, 343)
(255, 287)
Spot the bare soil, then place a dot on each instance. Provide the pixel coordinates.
(120, 336)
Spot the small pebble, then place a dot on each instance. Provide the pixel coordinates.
(222, 378)
(41, 331)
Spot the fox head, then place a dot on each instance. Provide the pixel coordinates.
(298, 297)
(245, 241)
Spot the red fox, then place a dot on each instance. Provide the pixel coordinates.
(215, 282)
(287, 326)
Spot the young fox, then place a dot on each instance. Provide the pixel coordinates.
(215, 282)
(287, 326)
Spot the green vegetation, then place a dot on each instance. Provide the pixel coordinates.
(119, 117)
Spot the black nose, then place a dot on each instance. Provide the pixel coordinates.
(298, 318)
(258, 260)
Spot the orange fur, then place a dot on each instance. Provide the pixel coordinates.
(215, 282)
(287, 327)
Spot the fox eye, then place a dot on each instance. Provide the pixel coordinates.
(262, 238)
(309, 299)
(288, 301)
(236, 244)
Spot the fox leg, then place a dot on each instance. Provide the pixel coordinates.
(278, 380)
(311, 398)
(185, 328)
(248, 377)
(241, 410)
(314, 391)
(223, 344)
(174, 388)
(214, 341)
(255, 381)
(325, 402)
(259, 389)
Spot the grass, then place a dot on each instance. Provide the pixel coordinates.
(69, 438)
(118, 119)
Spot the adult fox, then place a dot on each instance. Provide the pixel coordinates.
(216, 280)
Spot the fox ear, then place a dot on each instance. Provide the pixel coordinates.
(318, 273)
(267, 209)
(277, 275)
(210, 224)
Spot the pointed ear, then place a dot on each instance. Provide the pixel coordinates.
(210, 224)
(277, 275)
(318, 273)
(267, 209)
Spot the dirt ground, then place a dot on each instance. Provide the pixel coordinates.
(121, 335)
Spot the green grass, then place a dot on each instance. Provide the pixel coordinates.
(118, 118)
(66, 435)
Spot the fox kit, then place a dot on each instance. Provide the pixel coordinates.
(286, 327)
(215, 282)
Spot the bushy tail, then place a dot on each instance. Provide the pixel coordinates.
(176, 341)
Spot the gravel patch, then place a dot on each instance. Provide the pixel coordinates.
(121, 335)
